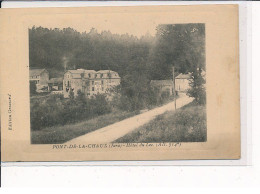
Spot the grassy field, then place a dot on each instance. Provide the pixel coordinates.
(187, 124)
(61, 134)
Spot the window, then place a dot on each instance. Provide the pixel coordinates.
(68, 76)
(92, 82)
(93, 89)
(101, 75)
(102, 82)
(89, 75)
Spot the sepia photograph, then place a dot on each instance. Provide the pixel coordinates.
(104, 87)
(121, 83)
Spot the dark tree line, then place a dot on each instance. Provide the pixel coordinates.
(182, 45)
(57, 49)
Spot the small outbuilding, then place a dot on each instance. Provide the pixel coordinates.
(182, 82)
(55, 84)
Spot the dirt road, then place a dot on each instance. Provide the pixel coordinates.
(112, 132)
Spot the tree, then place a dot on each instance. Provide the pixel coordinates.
(184, 47)
(181, 45)
(80, 96)
(197, 90)
(71, 95)
(32, 87)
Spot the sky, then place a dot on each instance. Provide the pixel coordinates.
(134, 22)
(115, 23)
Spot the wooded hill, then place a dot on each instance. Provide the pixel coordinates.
(136, 59)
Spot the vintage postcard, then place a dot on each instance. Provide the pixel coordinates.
(120, 83)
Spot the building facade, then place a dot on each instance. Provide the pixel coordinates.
(89, 82)
(182, 82)
(40, 77)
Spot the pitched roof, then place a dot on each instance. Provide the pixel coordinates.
(56, 80)
(161, 82)
(77, 73)
(36, 72)
(106, 71)
(183, 76)
(90, 71)
(112, 73)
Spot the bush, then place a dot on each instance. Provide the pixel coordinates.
(71, 95)
(190, 124)
(99, 105)
(140, 100)
(55, 110)
(197, 89)
(32, 88)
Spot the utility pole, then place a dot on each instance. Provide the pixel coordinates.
(173, 79)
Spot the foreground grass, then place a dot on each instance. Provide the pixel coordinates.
(187, 124)
(61, 134)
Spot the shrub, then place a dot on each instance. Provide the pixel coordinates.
(55, 110)
(32, 88)
(71, 95)
(140, 100)
(99, 105)
(197, 89)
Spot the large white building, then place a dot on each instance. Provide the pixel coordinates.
(89, 82)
